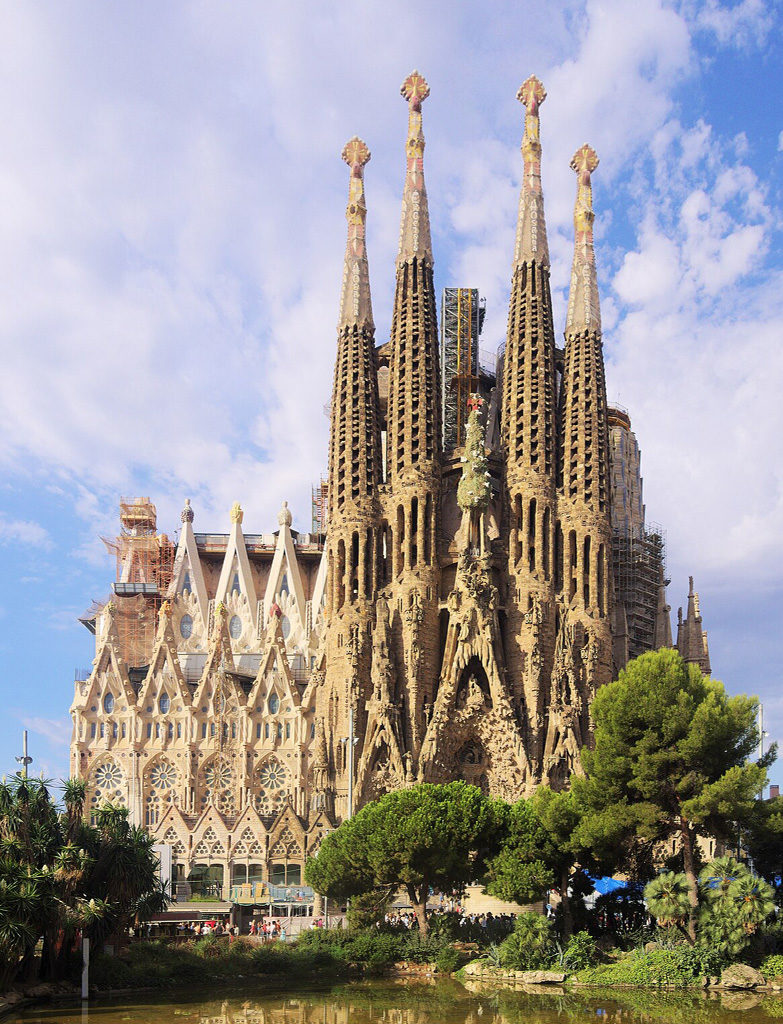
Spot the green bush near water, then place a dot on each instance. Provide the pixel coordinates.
(772, 966)
(165, 965)
(680, 967)
(161, 964)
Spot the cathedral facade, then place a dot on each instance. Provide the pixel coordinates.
(249, 691)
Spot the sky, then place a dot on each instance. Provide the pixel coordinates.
(171, 244)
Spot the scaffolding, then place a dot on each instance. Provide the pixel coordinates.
(639, 565)
(320, 502)
(144, 571)
(461, 322)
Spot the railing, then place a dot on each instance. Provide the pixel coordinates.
(265, 892)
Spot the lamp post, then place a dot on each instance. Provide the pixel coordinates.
(762, 733)
(24, 760)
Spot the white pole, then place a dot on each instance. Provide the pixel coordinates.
(762, 734)
(24, 760)
(85, 968)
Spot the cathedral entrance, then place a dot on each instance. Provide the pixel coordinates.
(472, 765)
(473, 686)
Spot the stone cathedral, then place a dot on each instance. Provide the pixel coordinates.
(454, 621)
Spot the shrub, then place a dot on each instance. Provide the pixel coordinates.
(772, 966)
(447, 960)
(679, 967)
(530, 946)
(580, 952)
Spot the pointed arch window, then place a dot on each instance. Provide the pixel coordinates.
(186, 584)
(284, 585)
(235, 586)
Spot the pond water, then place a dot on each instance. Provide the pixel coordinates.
(417, 1002)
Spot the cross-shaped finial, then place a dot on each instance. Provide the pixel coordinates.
(585, 159)
(532, 94)
(415, 89)
(355, 151)
(475, 402)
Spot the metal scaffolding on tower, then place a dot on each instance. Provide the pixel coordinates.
(462, 317)
(144, 570)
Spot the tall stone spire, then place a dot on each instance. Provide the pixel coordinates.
(415, 238)
(413, 436)
(584, 312)
(584, 536)
(585, 444)
(355, 445)
(414, 406)
(355, 302)
(528, 432)
(531, 243)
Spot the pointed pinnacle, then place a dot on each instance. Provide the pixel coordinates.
(531, 241)
(355, 301)
(532, 93)
(415, 90)
(355, 151)
(584, 312)
(415, 238)
(585, 159)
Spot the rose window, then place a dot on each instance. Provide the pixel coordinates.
(272, 775)
(218, 776)
(272, 779)
(106, 787)
(219, 787)
(108, 776)
(163, 776)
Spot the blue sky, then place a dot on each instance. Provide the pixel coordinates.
(170, 258)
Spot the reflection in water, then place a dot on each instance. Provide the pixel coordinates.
(441, 1002)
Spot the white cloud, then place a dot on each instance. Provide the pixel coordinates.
(23, 531)
(741, 25)
(56, 730)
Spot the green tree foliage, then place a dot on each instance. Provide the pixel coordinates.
(539, 848)
(60, 875)
(519, 872)
(429, 837)
(671, 760)
(763, 838)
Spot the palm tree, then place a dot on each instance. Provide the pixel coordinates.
(668, 900)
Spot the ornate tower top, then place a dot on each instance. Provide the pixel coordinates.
(531, 243)
(237, 515)
(415, 239)
(355, 302)
(584, 311)
(284, 517)
(187, 512)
